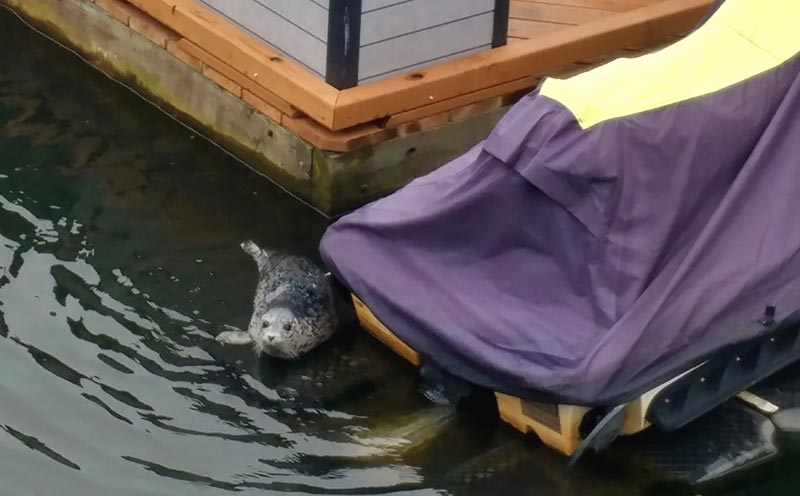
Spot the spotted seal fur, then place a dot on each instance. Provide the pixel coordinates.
(293, 308)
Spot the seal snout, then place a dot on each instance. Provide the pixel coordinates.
(277, 345)
(292, 307)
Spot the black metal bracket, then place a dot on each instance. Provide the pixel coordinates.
(727, 374)
(344, 43)
(502, 12)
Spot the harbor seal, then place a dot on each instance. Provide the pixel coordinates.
(293, 308)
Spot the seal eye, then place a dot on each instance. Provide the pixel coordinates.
(287, 327)
(265, 324)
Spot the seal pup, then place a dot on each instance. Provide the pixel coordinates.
(293, 308)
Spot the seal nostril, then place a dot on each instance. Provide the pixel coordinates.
(270, 338)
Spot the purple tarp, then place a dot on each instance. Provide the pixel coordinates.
(587, 261)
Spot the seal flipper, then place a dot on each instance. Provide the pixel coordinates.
(259, 256)
(235, 337)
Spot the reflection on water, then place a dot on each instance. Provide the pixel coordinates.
(119, 262)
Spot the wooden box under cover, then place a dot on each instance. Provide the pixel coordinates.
(557, 425)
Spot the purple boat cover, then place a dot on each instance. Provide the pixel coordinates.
(615, 229)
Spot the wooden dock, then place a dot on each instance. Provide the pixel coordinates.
(405, 124)
(546, 37)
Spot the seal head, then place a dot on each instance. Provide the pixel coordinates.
(293, 308)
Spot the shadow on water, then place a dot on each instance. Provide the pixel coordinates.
(119, 263)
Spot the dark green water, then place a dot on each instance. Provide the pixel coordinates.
(119, 262)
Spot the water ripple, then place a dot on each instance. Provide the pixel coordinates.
(36, 445)
(119, 263)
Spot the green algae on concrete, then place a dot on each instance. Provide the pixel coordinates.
(176, 87)
(333, 182)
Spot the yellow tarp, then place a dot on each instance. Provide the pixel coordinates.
(744, 38)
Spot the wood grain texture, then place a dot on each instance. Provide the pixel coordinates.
(519, 414)
(346, 140)
(187, 58)
(117, 9)
(152, 29)
(223, 81)
(248, 83)
(460, 101)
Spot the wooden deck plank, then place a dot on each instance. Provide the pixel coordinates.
(609, 5)
(460, 101)
(239, 78)
(526, 29)
(559, 14)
